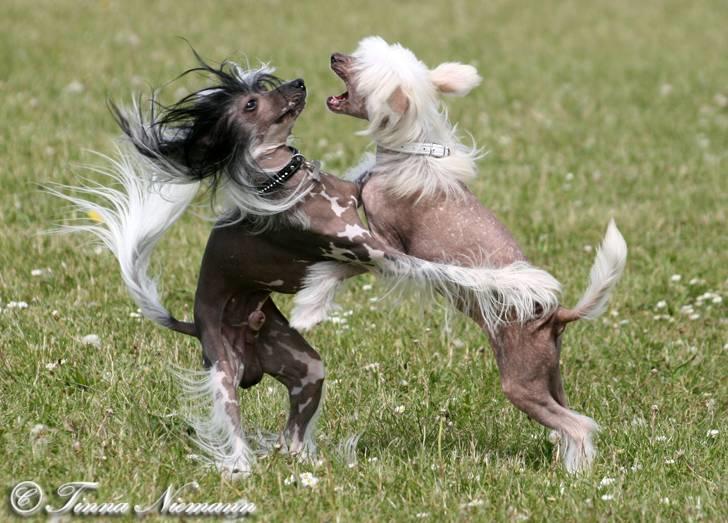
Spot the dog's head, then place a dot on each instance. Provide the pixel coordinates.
(397, 93)
(217, 132)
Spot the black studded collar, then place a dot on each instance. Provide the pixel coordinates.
(284, 174)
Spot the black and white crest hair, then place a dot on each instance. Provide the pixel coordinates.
(198, 138)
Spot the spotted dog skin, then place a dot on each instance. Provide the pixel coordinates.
(235, 317)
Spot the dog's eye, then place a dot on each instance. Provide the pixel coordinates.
(251, 105)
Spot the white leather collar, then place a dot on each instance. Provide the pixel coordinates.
(435, 150)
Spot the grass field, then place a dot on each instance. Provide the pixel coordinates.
(594, 110)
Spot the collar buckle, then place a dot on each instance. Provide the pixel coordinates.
(436, 150)
(439, 151)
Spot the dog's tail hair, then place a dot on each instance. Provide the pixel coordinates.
(515, 292)
(605, 273)
(130, 222)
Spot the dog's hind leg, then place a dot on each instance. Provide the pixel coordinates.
(215, 415)
(287, 356)
(229, 353)
(528, 360)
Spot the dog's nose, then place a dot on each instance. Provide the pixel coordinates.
(335, 57)
(299, 84)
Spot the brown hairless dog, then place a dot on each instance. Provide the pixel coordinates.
(416, 201)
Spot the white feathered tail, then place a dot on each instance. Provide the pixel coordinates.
(130, 222)
(515, 292)
(605, 273)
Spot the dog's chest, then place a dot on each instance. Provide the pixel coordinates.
(330, 207)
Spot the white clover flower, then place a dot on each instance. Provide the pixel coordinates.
(399, 409)
(308, 480)
(664, 501)
(40, 272)
(366, 287)
(694, 316)
(696, 281)
(675, 278)
(661, 304)
(660, 438)
(717, 299)
(92, 340)
(635, 467)
(607, 497)
(51, 366)
(75, 87)
(290, 480)
(39, 438)
(588, 248)
(669, 462)
(606, 482)
(422, 515)
(38, 430)
(713, 433)
(473, 503)
(16, 305)
(371, 366)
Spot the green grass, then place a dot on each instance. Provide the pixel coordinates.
(589, 111)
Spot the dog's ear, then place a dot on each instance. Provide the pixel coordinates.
(398, 101)
(455, 78)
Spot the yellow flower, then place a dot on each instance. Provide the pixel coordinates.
(95, 216)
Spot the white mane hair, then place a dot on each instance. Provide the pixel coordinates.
(403, 105)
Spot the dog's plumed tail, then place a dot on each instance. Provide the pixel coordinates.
(605, 273)
(515, 292)
(130, 222)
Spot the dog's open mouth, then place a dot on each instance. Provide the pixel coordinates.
(337, 103)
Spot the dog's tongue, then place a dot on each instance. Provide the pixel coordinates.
(336, 101)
